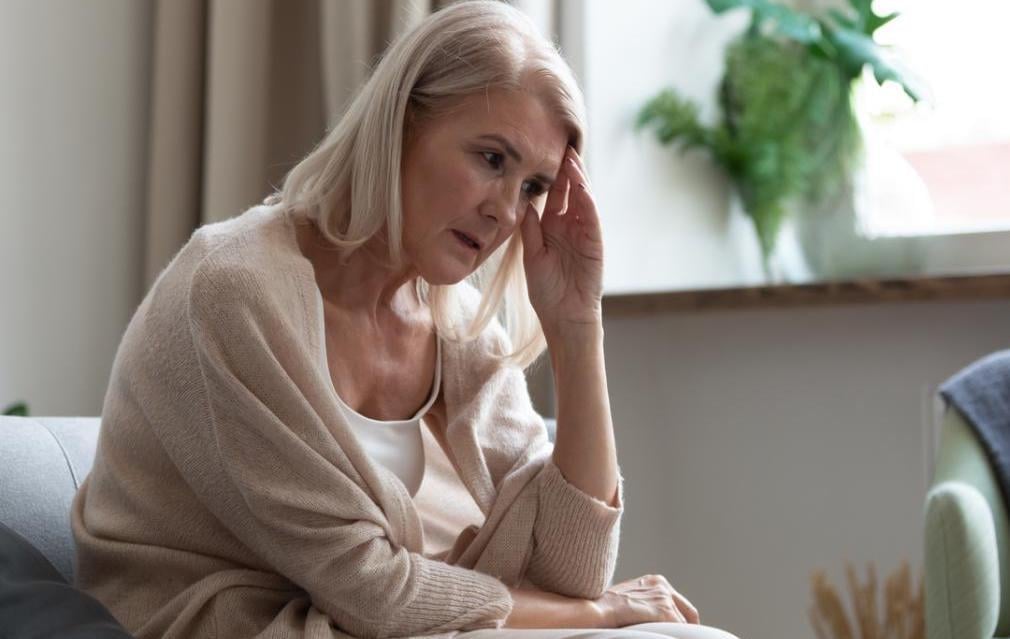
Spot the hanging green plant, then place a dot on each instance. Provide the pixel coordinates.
(787, 131)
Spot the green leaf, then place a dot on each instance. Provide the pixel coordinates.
(843, 19)
(868, 21)
(789, 132)
(675, 119)
(720, 6)
(856, 50)
(876, 21)
(19, 409)
(787, 22)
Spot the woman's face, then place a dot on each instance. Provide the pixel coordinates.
(461, 176)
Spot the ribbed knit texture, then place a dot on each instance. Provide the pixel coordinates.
(229, 498)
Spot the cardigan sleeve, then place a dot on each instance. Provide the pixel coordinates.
(286, 489)
(576, 536)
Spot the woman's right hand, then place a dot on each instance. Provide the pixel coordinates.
(647, 599)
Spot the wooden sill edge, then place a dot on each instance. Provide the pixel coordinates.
(858, 291)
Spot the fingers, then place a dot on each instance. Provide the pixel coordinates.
(690, 612)
(575, 161)
(681, 610)
(557, 196)
(554, 220)
(580, 198)
(580, 193)
(532, 235)
(675, 614)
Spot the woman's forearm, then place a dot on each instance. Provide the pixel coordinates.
(584, 448)
(533, 608)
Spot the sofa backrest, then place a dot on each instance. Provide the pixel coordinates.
(43, 461)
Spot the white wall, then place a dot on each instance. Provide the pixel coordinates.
(758, 446)
(665, 216)
(73, 77)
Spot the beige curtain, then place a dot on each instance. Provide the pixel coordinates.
(241, 89)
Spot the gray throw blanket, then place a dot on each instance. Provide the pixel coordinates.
(981, 393)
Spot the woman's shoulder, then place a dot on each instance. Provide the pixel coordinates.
(256, 239)
(248, 258)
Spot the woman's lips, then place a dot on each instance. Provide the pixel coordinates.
(466, 240)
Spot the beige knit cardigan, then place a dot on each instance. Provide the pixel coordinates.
(229, 498)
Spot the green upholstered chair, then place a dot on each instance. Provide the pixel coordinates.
(966, 541)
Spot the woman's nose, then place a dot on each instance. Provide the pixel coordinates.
(504, 206)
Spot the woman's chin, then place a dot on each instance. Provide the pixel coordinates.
(445, 279)
(447, 274)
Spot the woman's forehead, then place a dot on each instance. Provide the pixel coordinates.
(517, 120)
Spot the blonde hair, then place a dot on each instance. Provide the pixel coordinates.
(350, 183)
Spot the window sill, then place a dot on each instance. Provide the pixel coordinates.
(860, 291)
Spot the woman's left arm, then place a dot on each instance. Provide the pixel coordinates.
(584, 448)
(563, 259)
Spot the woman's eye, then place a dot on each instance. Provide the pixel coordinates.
(535, 189)
(493, 159)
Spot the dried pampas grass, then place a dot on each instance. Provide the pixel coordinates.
(903, 610)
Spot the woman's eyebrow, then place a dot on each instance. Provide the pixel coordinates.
(511, 150)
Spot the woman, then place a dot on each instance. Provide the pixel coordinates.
(256, 474)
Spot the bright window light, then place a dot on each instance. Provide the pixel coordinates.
(955, 147)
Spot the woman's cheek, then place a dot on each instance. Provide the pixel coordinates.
(468, 187)
(474, 175)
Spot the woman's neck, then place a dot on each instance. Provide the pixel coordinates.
(361, 284)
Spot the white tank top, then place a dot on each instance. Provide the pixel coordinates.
(397, 445)
(410, 450)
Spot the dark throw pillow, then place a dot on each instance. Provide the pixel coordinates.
(36, 602)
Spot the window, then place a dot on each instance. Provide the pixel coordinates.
(936, 195)
(960, 144)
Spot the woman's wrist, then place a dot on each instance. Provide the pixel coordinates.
(535, 608)
(602, 612)
(573, 335)
(575, 348)
(587, 323)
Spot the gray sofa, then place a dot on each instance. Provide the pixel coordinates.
(43, 461)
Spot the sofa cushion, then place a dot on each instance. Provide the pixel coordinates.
(35, 600)
(42, 463)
